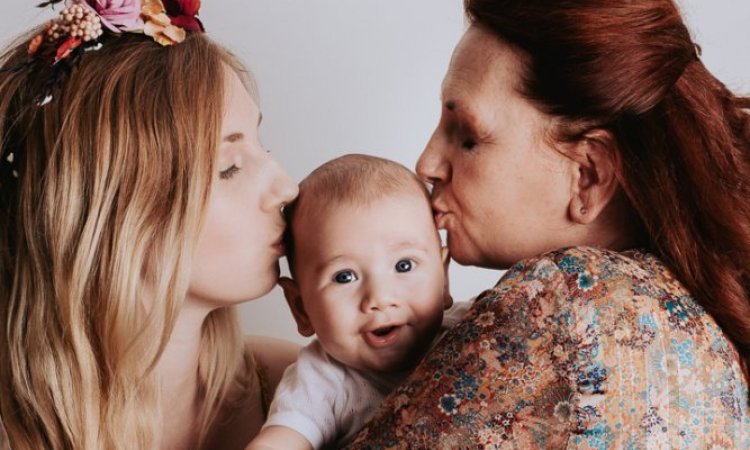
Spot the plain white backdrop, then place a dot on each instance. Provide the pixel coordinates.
(343, 76)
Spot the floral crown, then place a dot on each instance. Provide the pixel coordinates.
(81, 26)
(82, 23)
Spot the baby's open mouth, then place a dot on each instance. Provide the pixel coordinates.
(380, 332)
(383, 336)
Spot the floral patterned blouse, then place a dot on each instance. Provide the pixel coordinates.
(579, 348)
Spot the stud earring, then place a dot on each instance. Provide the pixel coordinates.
(583, 210)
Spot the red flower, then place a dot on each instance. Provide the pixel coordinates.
(183, 14)
(66, 48)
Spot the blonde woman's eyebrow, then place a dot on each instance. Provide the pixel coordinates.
(233, 137)
(238, 136)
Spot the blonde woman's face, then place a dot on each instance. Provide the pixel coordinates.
(240, 244)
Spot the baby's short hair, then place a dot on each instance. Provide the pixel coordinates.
(353, 179)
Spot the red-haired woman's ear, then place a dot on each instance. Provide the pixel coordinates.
(595, 182)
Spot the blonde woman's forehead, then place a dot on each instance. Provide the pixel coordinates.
(241, 113)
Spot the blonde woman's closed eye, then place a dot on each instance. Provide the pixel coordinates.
(229, 172)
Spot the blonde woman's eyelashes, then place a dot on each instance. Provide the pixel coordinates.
(229, 172)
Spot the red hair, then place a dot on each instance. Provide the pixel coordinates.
(683, 138)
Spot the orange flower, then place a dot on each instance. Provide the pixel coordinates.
(158, 25)
(35, 43)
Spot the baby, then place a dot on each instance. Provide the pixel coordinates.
(369, 280)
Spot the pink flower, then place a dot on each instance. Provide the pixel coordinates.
(119, 15)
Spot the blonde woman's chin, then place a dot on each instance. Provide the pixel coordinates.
(228, 294)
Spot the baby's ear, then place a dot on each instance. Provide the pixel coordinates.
(447, 299)
(445, 255)
(294, 300)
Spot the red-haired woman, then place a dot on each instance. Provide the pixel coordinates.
(585, 146)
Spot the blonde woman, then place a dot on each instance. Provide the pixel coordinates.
(138, 206)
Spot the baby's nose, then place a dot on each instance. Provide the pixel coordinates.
(378, 299)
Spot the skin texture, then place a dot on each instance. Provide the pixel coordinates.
(238, 251)
(236, 260)
(500, 189)
(243, 424)
(364, 271)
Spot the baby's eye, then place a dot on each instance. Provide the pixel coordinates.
(345, 276)
(229, 172)
(405, 265)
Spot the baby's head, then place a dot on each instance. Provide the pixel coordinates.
(368, 270)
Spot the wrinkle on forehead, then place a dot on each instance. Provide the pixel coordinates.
(483, 58)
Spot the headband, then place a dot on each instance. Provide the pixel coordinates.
(81, 24)
(86, 25)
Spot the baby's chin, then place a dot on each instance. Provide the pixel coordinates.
(391, 367)
(402, 362)
(392, 359)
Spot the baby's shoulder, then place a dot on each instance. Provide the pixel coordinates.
(271, 355)
(456, 312)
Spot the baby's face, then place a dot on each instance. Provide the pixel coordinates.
(372, 281)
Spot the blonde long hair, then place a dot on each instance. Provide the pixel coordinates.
(96, 237)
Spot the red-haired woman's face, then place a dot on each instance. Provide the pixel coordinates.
(499, 190)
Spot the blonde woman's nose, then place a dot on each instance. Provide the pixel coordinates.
(283, 188)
